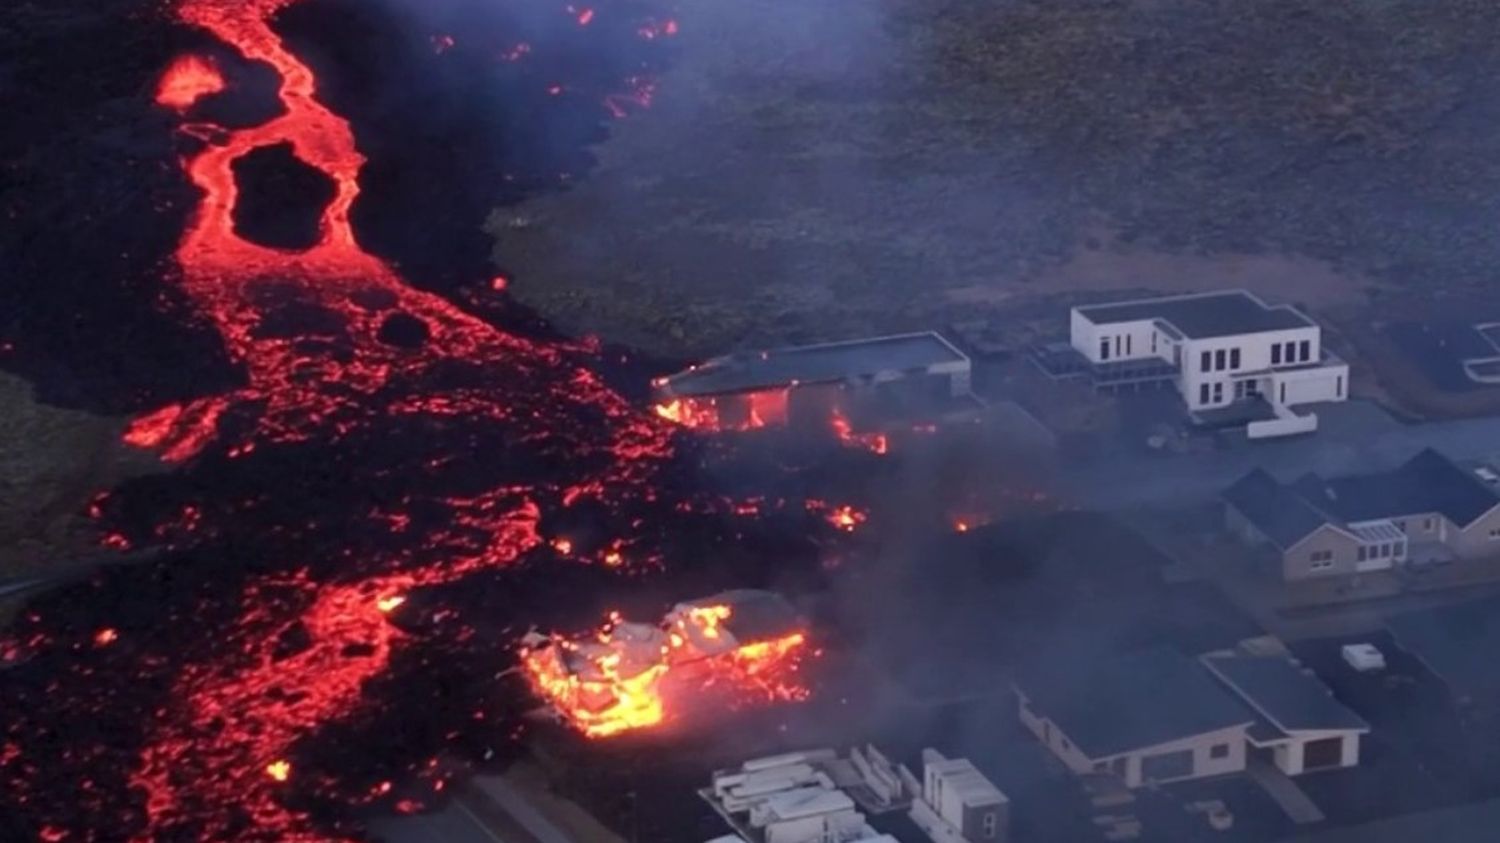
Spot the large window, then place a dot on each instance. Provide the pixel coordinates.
(1219, 750)
(1202, 393)
(1220, 357)
(1234, 358)
(1104, 349)
(1219, 392)
(1276, 354)
(991, 824)
(1306, 350)
(1207, 361)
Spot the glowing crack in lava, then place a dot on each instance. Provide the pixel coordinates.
(633, 675)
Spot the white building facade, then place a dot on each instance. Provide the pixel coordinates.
(1224, 347)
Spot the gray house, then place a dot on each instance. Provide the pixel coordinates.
(1426, 511)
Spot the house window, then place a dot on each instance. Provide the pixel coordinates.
(1104, 349)
(1362, 554)
(1290, 353)
(1306, 350)
(1494, 533)
(1219, 750)
(1207, 361)
(1338, 387)
(1128, 351)
(1202, 393)
(1427, 524)
(1283, 393)
(1276, 355)
(1234, 358)
(1153, 342)
(1219, 359)
(1219, 393)
(991, 825)
(1320, 556)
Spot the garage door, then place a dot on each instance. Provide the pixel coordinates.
(1328, 752)
(1167, 766)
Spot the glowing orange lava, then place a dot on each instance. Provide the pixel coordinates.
(875, 443)
(630, 676)
(188, 79)
(749, 411)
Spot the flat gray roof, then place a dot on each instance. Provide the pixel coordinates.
(1203, 315)
(829, 362)
(1292, 699)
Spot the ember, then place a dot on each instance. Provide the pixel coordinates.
(630, 676)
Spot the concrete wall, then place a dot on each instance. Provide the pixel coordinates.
(1306, 386)
(1282, 425)
(1127, 340)
(1255, 356)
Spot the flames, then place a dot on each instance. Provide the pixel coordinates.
(750, 411)
(875, 443)
(187, 80)
(630, 676)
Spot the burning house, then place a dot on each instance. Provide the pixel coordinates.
(904, 374)
(629, 675)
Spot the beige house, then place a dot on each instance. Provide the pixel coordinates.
(1430, 510)
(1149, 717)
(1300, 727)
(1156, 716)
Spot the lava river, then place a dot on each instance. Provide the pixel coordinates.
(381, 440)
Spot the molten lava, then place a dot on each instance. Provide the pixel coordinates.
(630, 676)
(187, 80)
(875, 443)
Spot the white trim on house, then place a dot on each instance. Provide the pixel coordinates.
(1278, 354)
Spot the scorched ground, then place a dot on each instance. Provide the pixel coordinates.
(380, 443)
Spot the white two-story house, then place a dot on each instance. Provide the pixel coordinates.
(1222, 347)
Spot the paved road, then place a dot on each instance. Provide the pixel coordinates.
(1352, 441)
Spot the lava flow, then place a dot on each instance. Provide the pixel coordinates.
(466, 442)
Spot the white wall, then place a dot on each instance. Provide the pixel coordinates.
(1289, 756)
(1134, 339)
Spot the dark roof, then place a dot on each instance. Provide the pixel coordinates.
(1202, 316)
(1290, 698)
(1428, 482)
(1134, 701)
(1458, 643)
(1278, 512)
(746, 372)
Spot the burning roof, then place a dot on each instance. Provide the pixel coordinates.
(628, 676)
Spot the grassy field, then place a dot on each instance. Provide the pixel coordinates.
(832, 168)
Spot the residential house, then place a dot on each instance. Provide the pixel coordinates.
(1217, 349)
(1426, 511)
(1157, 716)
(1150, 716)
(1300, 727)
